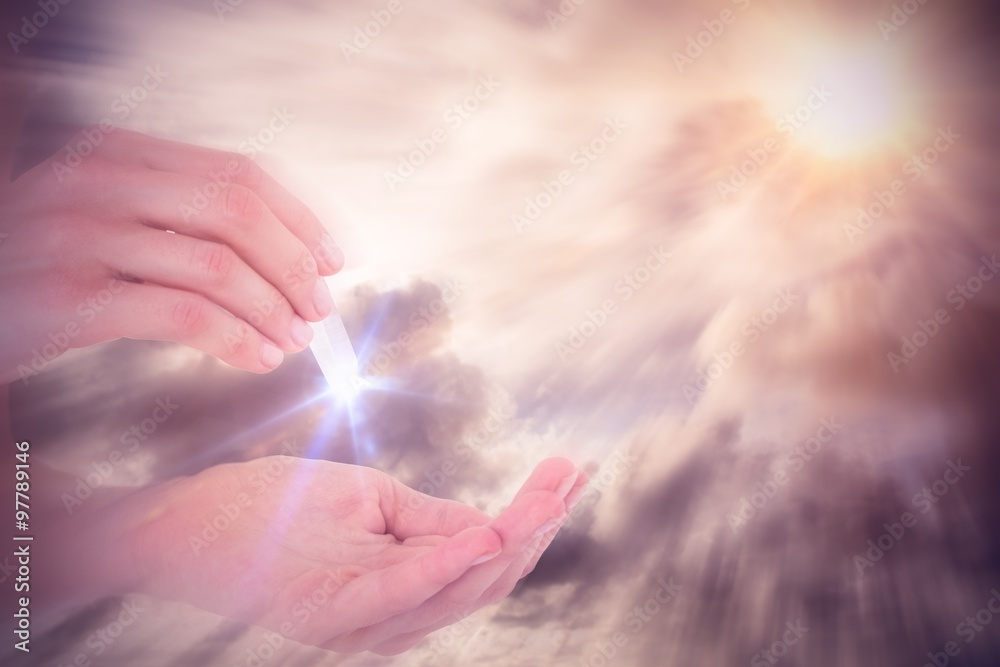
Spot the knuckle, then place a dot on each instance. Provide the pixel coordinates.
(238, 341)
(307, 220)
(431, 571)
(245, 171)
(216, 263)
(305, 270)
(190, 316)
(273, 308)
(242, 207)
(388, 594)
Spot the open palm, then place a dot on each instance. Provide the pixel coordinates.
(339, 556)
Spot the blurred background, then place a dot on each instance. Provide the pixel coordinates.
(736, 257)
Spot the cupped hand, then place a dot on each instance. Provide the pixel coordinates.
(136, 237)
(338, 556)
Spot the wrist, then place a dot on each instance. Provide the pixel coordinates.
(80, 554)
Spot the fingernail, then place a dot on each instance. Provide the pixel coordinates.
(322, 299)
(271, 356)
(302, 333)
(331, 252)
(566, 484)
(486, 558)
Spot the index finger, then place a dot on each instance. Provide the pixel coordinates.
(404, 587)
(211, 164)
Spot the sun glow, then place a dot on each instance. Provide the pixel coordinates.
(867, 111)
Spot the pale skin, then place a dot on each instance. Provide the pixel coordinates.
(394, 564)
(389, 564)
(238, 279)
(336, 556)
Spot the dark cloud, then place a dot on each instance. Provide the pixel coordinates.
(421, 402)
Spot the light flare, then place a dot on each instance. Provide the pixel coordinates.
(869, 111)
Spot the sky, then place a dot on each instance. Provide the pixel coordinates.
(734, 258)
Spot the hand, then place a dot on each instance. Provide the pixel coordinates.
(338, 556)
(86, 257)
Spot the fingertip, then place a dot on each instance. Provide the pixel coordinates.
(487, 557)
(486, 543)
(301, 333)
(330, 255)
(567, 483)
(270, 356)
(549, 475)
(558, 465)
(322, 300)
(493, 540)
(576, 493)
(517, 524)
